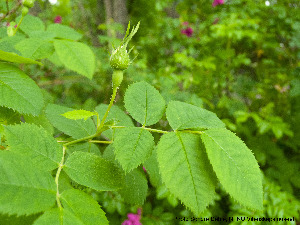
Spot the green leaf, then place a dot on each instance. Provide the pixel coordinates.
(135, 188)
(35, 48)
(84, 207)
(13, 57)
(133, 145)
(40, 120)
(74, 128)
(93, 171)
(31, 24)
(64, 32)
(185, 170)
(58, 217)
(144, 103)
(17, 220)
(18, 91)
(152, 168)
(24, 188)
(79, 114)
(35, 142)
(76, 56)
(235, 166)
(84, 147)
(186, 116)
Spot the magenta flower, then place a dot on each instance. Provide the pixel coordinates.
(57, 19)
(188, 31)
(185, 23)
(133, 219)
(144, 169)
(217, 2)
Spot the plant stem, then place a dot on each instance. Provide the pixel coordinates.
(109, 107)
(149, 129)
(192, 131)
(61, 164)
(81, 139)
(102, 142)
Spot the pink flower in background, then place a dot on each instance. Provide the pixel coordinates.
(133, 219)
(188, 31)
(144, 169)
(217, 2)
(185, 23)
(57, 19)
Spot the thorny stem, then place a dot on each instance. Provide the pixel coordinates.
(149, 129)
(61, 164)
(109, 107)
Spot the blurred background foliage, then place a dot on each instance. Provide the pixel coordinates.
(240, 60)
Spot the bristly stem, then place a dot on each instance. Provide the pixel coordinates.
(61, 164)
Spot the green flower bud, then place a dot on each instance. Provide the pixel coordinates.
(28, 3)
(24, 11)
(117, 78)
(11, 31)
(119, 59)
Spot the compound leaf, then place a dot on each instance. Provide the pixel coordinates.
(58, 217)
(76, 56)
(18, 91)
(235, 166)
(35, 48)
(182, 116)
(144, 103)
(24, 188)
(135, 188)
(35, 142)
(185, 170)
(93, 171)
(64, 32)
(84, 207)
(74, 128)
(133, 145)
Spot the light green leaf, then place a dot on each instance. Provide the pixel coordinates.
(35, 142)
(18, 91)
(74, 128)
(185, 170)
(135, 188)
(40, 120)
(144, 103)
(85, 147)
(235, 166)
(64, 32)
(24, 188)
(79, 114)
(133, 145)
(93, 171)
(13, 57)
(152, 168)
(58, 217)
(186, 116)
(76, 56)
(35, 48)
(31, 23)
(84, 207)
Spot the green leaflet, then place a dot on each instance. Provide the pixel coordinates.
(18, 91)
(35, 48)
(84, 147)
(24, 188)
(74, 128)
(235, 166)
(133, 145)
(40, 120)
(13, 57)
(35, 142)
(135, 188)
(76, 56)
(93, 171)
(17, 220)
(79, 114)
(31, 24)
(64, 32)
(84, 207)
(185, 170)
(152, 168)
(186, 116)
(144, 103)
(58, 217)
